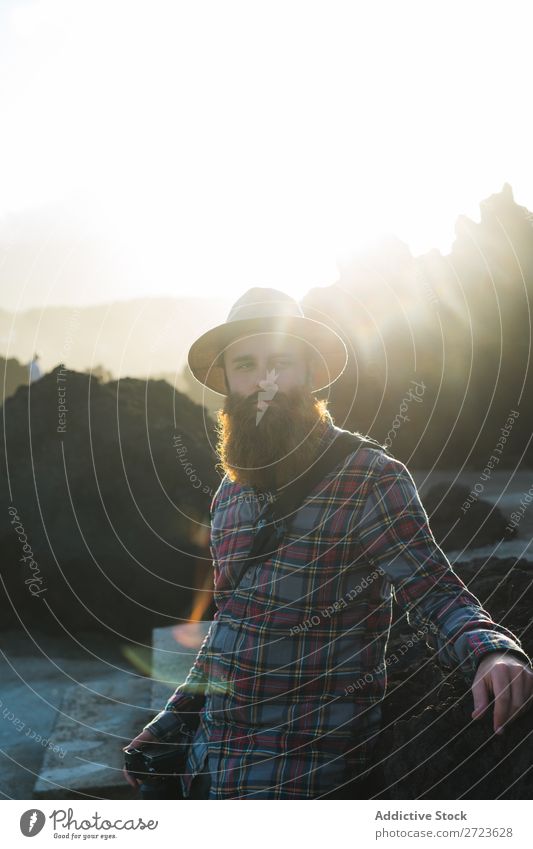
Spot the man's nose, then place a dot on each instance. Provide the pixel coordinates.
(259, 377)
(254, 391)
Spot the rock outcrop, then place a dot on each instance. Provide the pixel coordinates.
(108, 487)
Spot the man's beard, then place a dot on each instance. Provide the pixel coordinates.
(280, 447)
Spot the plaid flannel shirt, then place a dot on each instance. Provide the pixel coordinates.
(294, 664)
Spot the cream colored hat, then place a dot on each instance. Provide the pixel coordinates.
(257, 311)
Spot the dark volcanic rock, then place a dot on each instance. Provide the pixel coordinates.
(482, 523)
(443, 754)
(114, 508)
(429, 746)
(12, 375)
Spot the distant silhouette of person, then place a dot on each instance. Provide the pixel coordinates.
(34, 370)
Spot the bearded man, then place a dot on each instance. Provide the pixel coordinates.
(293, 667)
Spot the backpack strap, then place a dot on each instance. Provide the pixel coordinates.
(276, 516)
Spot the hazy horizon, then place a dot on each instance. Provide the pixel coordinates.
(187, 162)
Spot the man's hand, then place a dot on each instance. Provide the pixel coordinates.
(143, 737)
(509, 680)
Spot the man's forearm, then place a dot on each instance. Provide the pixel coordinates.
(187, 700)
(395, 534)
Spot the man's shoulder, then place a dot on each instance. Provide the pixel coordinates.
(226, 489)
(371, 459)
(221, 487)
(363, 450)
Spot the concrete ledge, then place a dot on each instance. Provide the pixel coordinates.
(90, 731)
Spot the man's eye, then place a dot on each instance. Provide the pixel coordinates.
(284, 361)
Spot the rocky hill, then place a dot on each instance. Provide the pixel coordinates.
(429, 746)
(108, 487)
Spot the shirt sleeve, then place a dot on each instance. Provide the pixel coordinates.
(183, 706)
(188, 698)
(395, 535)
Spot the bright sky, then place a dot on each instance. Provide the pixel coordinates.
(219, 145)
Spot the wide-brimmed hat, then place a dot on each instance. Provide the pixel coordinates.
(262, 310)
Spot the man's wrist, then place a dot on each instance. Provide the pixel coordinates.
(472, 645)
(166, 725)
(506, 652)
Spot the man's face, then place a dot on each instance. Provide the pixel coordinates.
(270, 425)
(252, 360)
